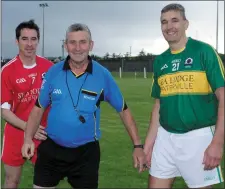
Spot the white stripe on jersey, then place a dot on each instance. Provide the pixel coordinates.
(8, 63)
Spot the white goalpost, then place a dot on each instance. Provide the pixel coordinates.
(135, 73)
(145, 76)
(120, 72)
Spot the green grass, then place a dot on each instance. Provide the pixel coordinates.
(116, 169)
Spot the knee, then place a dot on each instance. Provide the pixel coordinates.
(11, 181)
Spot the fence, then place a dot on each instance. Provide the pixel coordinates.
(128, 65)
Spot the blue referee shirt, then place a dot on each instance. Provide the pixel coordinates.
(71, 96)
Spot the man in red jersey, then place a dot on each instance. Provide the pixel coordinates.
(20, 82)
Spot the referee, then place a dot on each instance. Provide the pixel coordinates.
(74, 89)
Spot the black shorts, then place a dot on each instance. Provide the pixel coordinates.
(80, 165)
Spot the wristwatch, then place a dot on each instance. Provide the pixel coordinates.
(139, 146)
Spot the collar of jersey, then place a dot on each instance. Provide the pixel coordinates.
(88, 69)
(28, 67)
(180, 50)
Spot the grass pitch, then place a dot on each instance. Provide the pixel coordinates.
(116, 169)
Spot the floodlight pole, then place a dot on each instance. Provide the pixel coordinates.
(43, 5)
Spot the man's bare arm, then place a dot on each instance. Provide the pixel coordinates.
(219, 132)
(130, 126)
(153, 125)
(11, 118)
(139, 159)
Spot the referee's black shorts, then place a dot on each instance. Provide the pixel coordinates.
(80, 165)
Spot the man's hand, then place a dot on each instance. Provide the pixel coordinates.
(148, 153)
(139, 159)
(28, 149)
(40, 134)
(212, 156)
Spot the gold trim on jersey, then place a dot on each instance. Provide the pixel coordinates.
(220, 64)
(152, 84)
(178, 51)
(184, 82)
(219, 61)
(77, 75)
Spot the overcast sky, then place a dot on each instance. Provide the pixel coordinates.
(116, 26)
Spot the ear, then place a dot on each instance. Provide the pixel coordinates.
(16, 41)
(91, 45)
(186, 24)
(65, 46)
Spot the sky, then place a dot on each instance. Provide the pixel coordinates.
(117, 26)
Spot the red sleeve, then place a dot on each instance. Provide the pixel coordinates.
(7, 89)
(50, 64)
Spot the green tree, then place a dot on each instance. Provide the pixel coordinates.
(142, 53)
(106, 57)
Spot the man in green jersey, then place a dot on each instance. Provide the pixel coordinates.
(186, 132)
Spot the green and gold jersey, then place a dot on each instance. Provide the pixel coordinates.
(185, 83)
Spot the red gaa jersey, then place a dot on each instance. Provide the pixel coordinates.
(20, 86)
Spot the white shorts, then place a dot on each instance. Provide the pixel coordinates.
(177, 155)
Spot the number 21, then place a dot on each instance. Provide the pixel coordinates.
(175, 66)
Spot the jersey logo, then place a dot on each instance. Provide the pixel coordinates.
(43, 75)
(89, 97)
(176, 61)
(32, 75)
(188, 63)
(43, 83)
(21, 80)
(164, 67)
(208, 178)
(57, 91)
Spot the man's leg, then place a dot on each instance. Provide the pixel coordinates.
(48, 169)
(206, 187)
(12, 176)
(12, 158)
(163, 169)
(83, 173)
(154, 182)
(190, 152)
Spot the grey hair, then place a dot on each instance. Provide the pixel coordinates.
(174, 7)
(78, 27)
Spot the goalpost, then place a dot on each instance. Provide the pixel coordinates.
(135, 73)
(145, 75)
(120, 72)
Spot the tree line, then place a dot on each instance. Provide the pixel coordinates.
(142, 55)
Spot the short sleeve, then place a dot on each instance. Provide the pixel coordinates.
(112, 93)
(45, 90)
(155, 91)
(6, 88)
(214, 68)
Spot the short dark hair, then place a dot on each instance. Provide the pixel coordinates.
(78, 27)
(27, 24)
(174, 7)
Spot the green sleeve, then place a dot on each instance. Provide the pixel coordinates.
(214, 68)
(155, 92)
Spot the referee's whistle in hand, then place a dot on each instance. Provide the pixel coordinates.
(28, 149)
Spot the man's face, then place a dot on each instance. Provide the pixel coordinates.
(173, 26)
(78, 45)
(28, 42)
